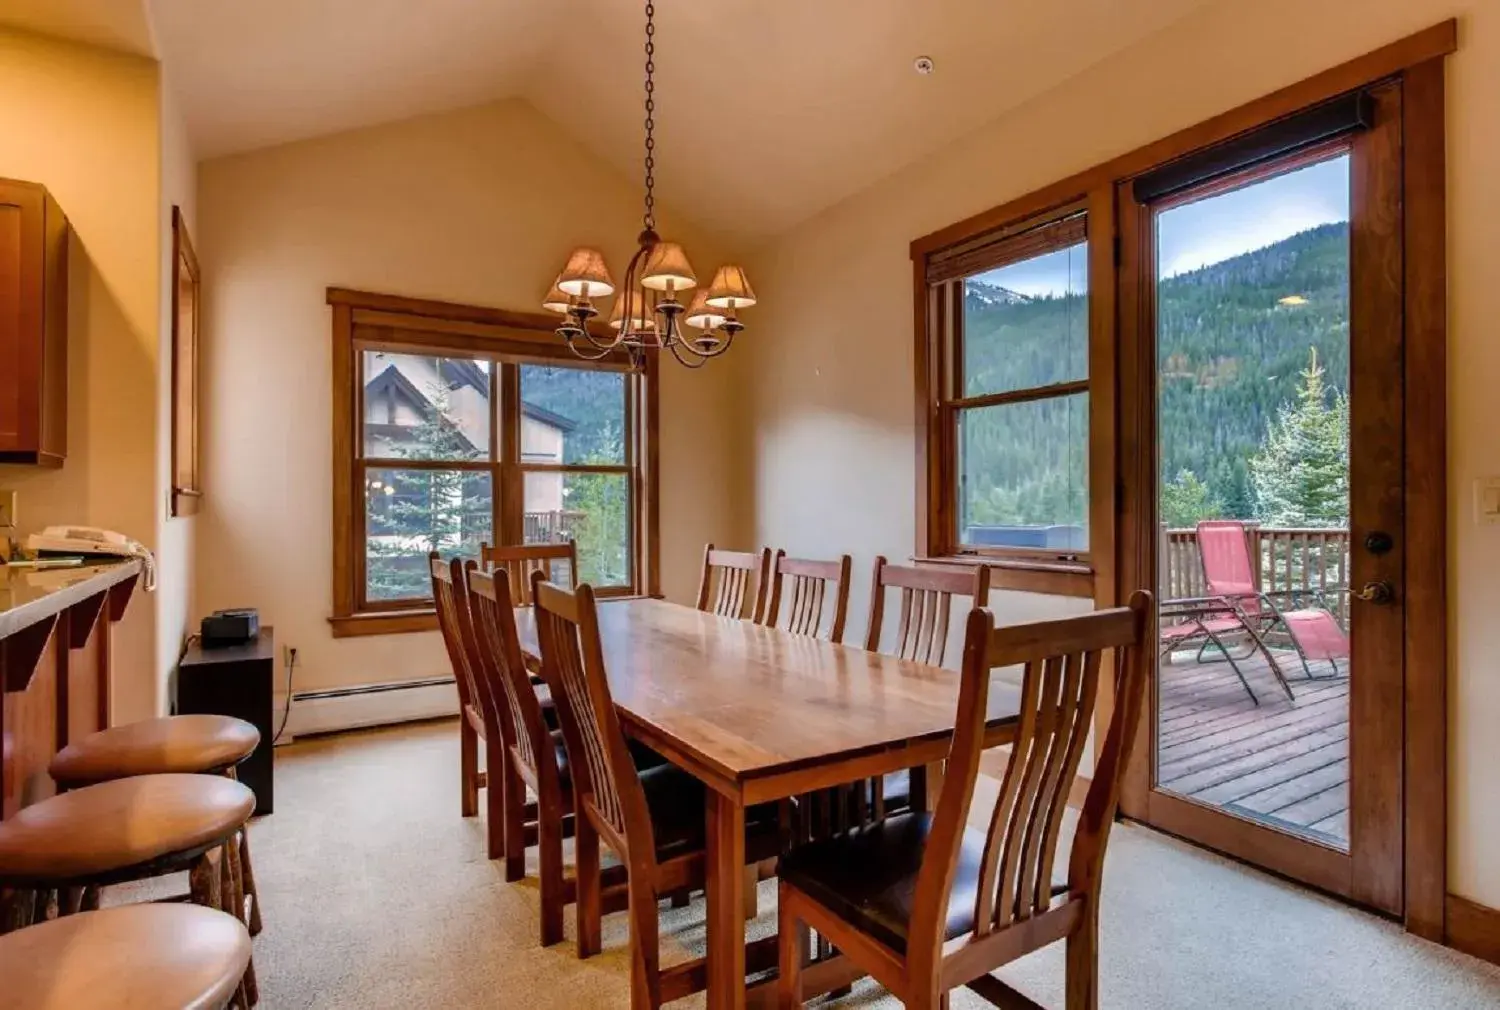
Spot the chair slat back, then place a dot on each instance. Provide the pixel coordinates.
(804, 587)
(926, 601)
(733, 583)
(502, 664)
(604, 775)
(521, 561)
(1063, 661)
(444, 598)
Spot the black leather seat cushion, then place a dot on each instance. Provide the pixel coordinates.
(868, 877)
(564, 773)
(678, 816)
(549, 707)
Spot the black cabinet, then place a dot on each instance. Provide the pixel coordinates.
(235, 680)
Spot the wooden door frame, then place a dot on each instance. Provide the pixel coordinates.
(1423, 877)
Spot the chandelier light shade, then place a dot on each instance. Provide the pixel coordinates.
(557, 300)
(731, 289)
(641, 321)
(668, 269)
(586, 275)
(701, 315)
(648, 309)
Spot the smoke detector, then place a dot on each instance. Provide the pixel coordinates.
(923, 65)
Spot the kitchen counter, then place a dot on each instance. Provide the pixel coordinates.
(56, 667)
(29, 596)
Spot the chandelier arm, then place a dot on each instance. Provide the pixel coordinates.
(677, 347)
(599, 345)
(604, 350)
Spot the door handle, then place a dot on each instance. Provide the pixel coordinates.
(1375, 592)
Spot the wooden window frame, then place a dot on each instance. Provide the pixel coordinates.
(1418, 61)
(187, 489)
(508, 340)
(939, 271)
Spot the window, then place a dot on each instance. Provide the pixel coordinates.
(462, 426)
(1008, 350)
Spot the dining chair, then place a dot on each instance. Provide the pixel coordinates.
(927, 596)
(805, 585)
(733, 579)
(653, 820)
(531, 754)
(446, 583)
(924, 902)
(521, 560)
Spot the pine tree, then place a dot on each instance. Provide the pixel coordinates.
(1186, 499)
(1300, 474)
(414, 511)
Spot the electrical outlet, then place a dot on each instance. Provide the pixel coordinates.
(8, 509)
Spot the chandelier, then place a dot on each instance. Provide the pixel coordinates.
(648, 308)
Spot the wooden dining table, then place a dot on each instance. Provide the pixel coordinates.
(760, 715)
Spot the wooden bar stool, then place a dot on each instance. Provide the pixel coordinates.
(62, 850)
(189, 744)
(168, 957)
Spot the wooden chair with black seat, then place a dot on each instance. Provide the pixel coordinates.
(653, 820)
(174, 744)
(534, 755)
(521, 561)
(470, 712)
(804, 588)
(924, 902)
(926, 603)
(733, 583)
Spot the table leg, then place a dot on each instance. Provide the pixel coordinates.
(726, 902)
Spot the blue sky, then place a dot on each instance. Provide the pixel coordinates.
(1208, 231)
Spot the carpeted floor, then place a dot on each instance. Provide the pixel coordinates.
(378, 895)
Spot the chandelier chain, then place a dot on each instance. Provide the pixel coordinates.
(650, 217)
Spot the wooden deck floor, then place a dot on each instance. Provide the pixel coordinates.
(1284, 762)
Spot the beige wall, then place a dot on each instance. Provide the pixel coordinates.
(174, 537)
(477, 206)
(832, 399)
(85, 123)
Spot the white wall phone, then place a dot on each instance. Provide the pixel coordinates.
(89, 540)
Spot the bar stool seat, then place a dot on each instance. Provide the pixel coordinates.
(205, 744)
(166, 957)
(121, 830)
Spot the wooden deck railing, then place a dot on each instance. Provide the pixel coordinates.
(1290, 559)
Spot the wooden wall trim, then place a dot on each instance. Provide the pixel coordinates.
(1426, 504)
(1430, 44)
(502, 335)
(1472, 928)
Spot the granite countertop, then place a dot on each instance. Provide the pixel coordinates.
(29, 595)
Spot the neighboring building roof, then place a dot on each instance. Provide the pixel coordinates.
(459, 372)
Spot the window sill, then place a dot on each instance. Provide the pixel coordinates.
(1028, 575)
(398, 622)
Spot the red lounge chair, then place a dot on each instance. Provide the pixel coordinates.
(1229, 575)
(1205, 622)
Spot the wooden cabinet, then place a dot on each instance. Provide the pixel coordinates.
(33, 326)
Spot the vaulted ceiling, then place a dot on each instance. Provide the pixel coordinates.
(767, 112)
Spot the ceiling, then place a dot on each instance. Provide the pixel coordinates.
(766, 112)
(110, 24)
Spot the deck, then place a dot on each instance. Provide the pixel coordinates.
(1284, 762)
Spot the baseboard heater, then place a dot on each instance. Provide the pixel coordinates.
(341, 708)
